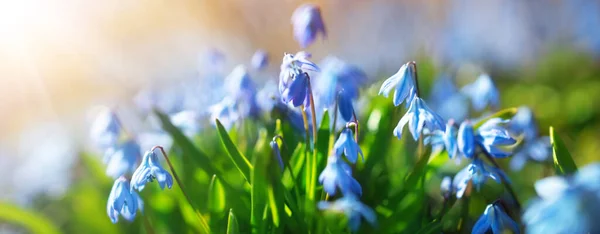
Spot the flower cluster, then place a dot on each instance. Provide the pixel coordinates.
(337, 175)
(488, 139)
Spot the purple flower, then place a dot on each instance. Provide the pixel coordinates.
(418, 117)
(337, 174)
(122, 200)
(260, 59)
(495, 218)
(307, 23)
(404, 84)
(293, 80)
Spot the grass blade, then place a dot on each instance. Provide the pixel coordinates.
(563, 162)
(240, 161)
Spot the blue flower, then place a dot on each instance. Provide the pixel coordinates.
(482, 92)
(447, 139)
(345, 144)
(446, 186)
(242, 90)
(494, 217)
(573, 202)
(277, 153)
(293, 80)
(341, 81)
(150, 170)
(268, 97)
(538, 150)
(337, 174)
(403, 82)
(307, 23)
(225, 111)
(260, 59)
(524, 123)
(419, 116)
(477, 172)
(106, 129)
(352, 208)
(122, 200)
(122, 158)
(188, 121)
(466, 139)
(447, 101)
(491, 136)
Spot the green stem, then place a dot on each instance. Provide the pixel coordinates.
(313, 166)
(416, 75)
(147, 225)
(203, 223)
(506, 184)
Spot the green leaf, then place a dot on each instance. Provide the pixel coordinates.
(433, 227)
(232, 224)
(507, 113)
(258, 192)
(563, 162)
(240, 161)
(30, 220)
(191, 152)
(216, 195)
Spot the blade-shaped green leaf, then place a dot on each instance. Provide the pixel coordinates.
(30, 220)
(507, 113)
(563, 162)
(232, 224)
(258, 193)
(216, 195)
(240, 161)
(191, 152)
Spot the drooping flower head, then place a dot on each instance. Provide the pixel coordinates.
(338, 174)
(466, 139)
(419, 117)
(122, 158)
(403, 83)
(124, 201)
(446, 139)
(293, 80)
(477, 172)
(242, 91)
(308, 24)
(150, 170)
(447, 101)
(260, 60)
(482, 92)
(277, 153)
(347, 145)
(566, 204)
(339, 81)
(106, 129)
(495, 218)
(491, 136)
(351, 206)
(524, 123)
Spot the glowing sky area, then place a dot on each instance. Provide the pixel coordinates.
(58, 58)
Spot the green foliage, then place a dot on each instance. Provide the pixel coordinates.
(563, 162)
(29, 220)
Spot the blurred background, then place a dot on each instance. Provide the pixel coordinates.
(61, 58)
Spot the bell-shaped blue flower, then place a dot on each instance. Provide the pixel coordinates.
(150, 170)
(350, 206)
(122, 200)
(566, 205)
(419, 116)
(260, 59)
(345, 144)
(106, 129)
(495, 218)
(339, 81)
(338, 174)
(292, 65)
(308, 24)
(403, 83)
(445, 139)
(538, 150)
(482, 92)
(477, 172)
(122, 158)
(297, 92)
(491, 137)
(242, 90)
(466, 139)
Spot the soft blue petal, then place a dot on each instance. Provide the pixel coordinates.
(466, 139)
(481, 226)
